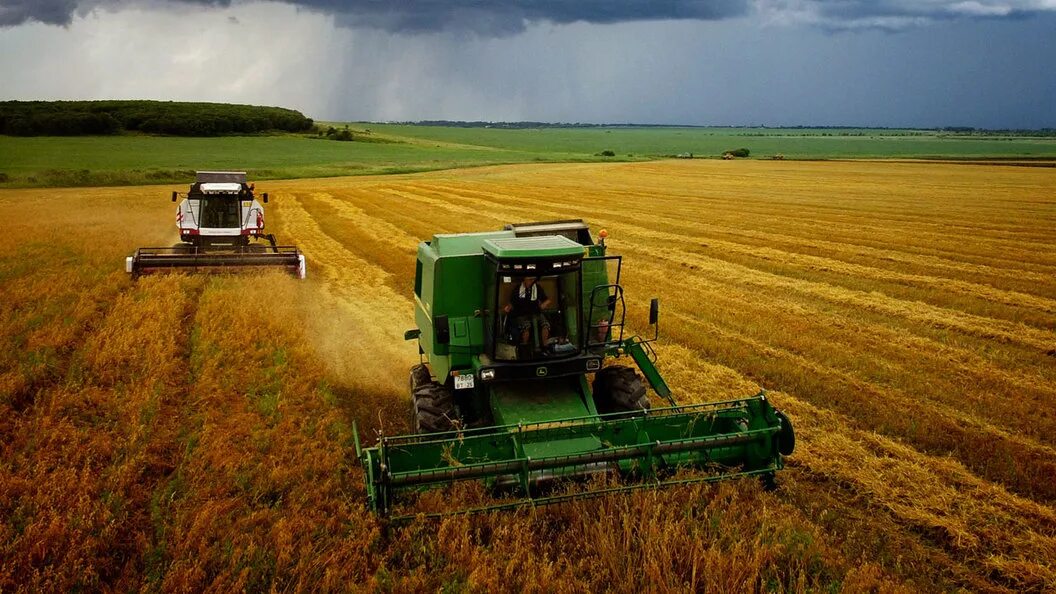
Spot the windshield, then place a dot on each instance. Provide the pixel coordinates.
(537, 316)
(220, 212)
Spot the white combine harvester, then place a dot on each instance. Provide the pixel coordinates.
(220, 222)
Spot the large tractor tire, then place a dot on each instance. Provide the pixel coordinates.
(419, 377)
(619, 389)
(433, 404)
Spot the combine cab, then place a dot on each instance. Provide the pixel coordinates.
(516, 328)
(221, 226)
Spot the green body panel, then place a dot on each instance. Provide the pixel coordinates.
(465, 244)
(539, 401)
(450, 285)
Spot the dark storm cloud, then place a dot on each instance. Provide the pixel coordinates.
(52, 12)
(502, 17)
(488, 17)
(505, 17)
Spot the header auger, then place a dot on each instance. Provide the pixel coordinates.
(217, 220)
(510, 325)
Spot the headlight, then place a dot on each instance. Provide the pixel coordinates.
(593, 364)
(487, 374)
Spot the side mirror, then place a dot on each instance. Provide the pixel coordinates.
(443, 331)
(175, 195)
(265, 196)
(654, 311)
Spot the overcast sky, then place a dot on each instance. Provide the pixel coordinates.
(983, 63)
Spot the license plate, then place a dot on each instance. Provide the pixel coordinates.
(463, 382)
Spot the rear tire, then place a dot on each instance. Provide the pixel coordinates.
(619, 389)
(786, 437)
(432, 404)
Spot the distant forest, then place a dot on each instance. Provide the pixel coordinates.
(77, 118)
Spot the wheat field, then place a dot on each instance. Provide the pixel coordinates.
(187, 433)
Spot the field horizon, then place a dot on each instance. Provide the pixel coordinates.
(138, 159)
(194, 432)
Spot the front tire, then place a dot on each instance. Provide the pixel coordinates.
(619, 389)
(432, 404)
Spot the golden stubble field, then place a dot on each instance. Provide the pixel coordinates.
(187, 434)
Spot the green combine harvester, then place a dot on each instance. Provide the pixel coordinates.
(511, 325)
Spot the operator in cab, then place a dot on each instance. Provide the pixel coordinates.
(527, 302)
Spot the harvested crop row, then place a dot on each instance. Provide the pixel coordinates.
(219, 455)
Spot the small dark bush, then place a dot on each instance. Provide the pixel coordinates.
(343, 135)
(607, 153)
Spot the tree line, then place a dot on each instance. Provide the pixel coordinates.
(77, 118)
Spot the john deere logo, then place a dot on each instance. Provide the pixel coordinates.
(540, 371)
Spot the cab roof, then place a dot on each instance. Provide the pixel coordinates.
(528, 248)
